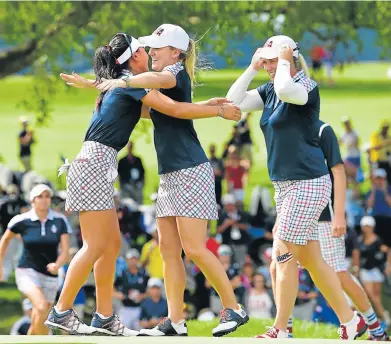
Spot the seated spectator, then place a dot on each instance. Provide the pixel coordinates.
(130, 287)
(235, 174)
(246, 142)
(151, 259)
(259, 303)
(131, 176)
(306, 297)
(233, 226)
(379, 204)
(154, 307)
(374, 256)
(21, 326)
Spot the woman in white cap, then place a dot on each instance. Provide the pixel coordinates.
(44, 232)
(186, 197)
(375, 260)
(92, 175)
(291, 106)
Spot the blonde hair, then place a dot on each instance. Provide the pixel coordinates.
(190, 60)
(300, 64)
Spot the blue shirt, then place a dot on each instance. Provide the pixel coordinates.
(329, 144)
(40, 239)
(176, 142)
(291, 134)
(380, 207)
(116, 118)
(151, 309)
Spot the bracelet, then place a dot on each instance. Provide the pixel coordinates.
(220, 112)
(127, 79)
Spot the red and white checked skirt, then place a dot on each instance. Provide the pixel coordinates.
(299, 204)
(91, 177)
(188, 193)
(333, 249)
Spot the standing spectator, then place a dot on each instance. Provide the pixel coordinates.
(317, 55)
(235, 141)
(130, 287)
(380, 148)
(11, 205)
(154, 307)
(245, 139)
(374, 255)
(218, 170)
(25, 141)
(233, 226)
(131, 175)
(151, 257)
(235, 174)
(259, 302)
(379, 204)
(351, 142)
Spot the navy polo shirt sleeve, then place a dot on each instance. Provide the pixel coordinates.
(136, 93)
(66, 227)
(262, 90)
(15, 225)
(329, 144)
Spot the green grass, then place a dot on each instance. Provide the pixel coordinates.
(362, 92)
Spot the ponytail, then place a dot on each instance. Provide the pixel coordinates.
(300, 64)
(190, 61)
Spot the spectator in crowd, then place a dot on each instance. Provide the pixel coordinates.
(130, 287)
(306, 297)
(351, 142)
(25, 141)
(379, 204)
(380, 148)
(354, 208)
(131, 176)
(151, 258)
(261, 209)
(265, 268)
(233, 226)
(235, 141)
(154, 307)
(374, 262)
(235, 174)
(317, 54)
(259, 303)
(247, 275)
(246, 142)
(21, 326)
(218, 170)
(328, 63)
(233, 272)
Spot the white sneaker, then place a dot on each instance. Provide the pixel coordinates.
(355, 329)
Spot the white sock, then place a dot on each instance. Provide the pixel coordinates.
(179, 325)
(240, 311)
(58, 311)
(351, 322)
(370, 316)
(102, 316)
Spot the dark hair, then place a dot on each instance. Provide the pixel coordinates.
(105, 60)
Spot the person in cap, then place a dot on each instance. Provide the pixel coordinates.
(332, 230)
(182, 214)
(25, 141)
(91, 177)
(44, 233)
(375, 261)
(289, 121)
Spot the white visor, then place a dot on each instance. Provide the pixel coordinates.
(127, 54)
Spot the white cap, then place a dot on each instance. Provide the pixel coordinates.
(271, 48)
(27, 305)
(38, 189)
(380, 173)
(167, 35)
(228, 199)
(127, 54)
(155, 282)
(224, 250)
(132, 253)
(368, 221)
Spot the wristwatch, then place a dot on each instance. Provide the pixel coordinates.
(127, 79)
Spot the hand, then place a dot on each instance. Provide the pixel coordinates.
(338, 227)
(52, 268)
(257, 61)
(231, 112)
(286, 53)
(108, 85)
(75, 80)
(217, 101)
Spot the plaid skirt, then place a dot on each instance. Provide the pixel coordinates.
(91, 177)
(333, 249)
(299, 204)
(188, 193)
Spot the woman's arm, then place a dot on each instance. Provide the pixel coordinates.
(145, 112)
(4, 243)
(339, 222)
(166, 105)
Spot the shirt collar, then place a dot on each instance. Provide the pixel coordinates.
(34, 216)
(299, 75)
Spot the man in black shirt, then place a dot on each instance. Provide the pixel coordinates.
(218, 170)
(131, 176)
(25, 141)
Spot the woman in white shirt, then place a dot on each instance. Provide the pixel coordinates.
(259, 302)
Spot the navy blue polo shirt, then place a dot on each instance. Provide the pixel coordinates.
(40, 239)
(176, 142)
(328, 142)
(116, 118)
(291, 134)
(126, 282)
(151, 309)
